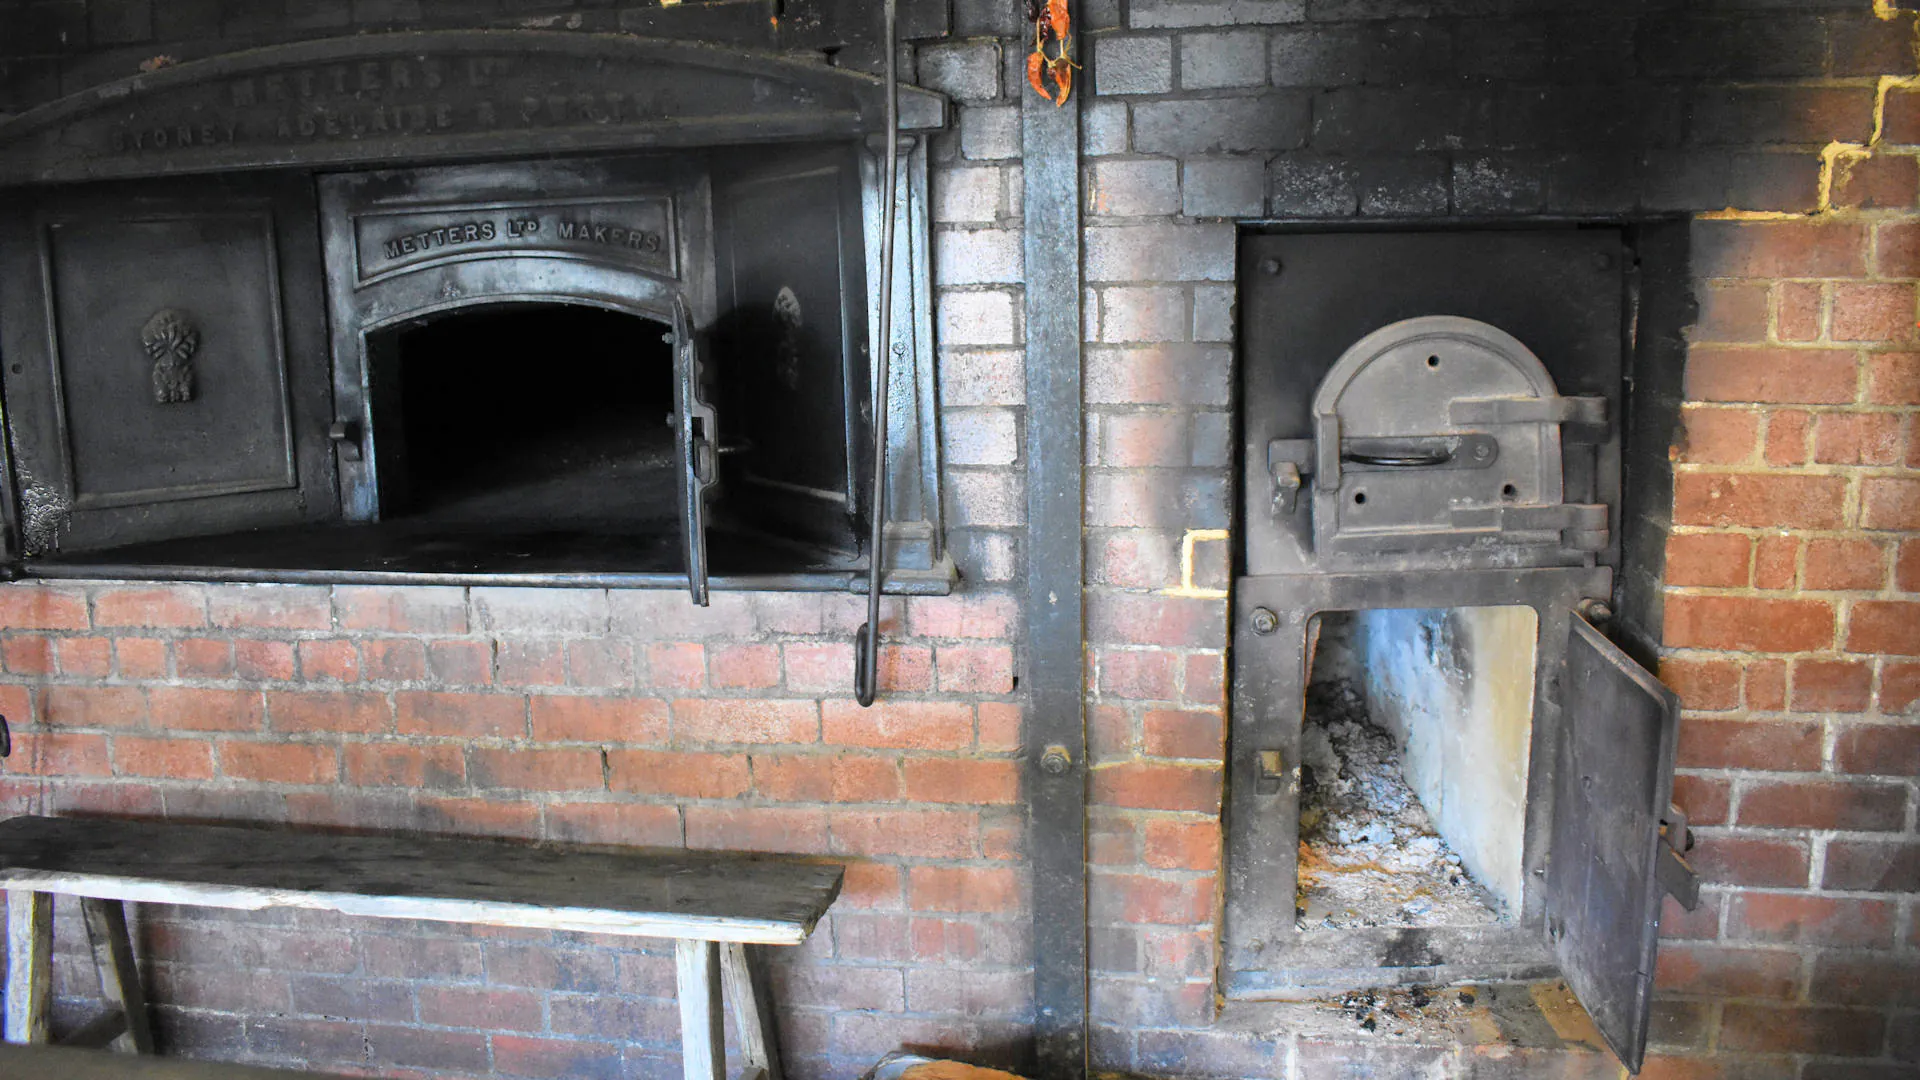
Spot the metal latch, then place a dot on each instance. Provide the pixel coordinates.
(1289, 461)
(345, 436)
(1671, 868)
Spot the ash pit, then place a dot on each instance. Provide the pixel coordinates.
(1413, 758)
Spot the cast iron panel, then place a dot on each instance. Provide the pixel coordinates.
(203, 290)
(439, 95)
(1305, 298)
(1613, 782)
(791, 285)
(159, 348)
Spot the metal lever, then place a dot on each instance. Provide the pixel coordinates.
(866, 664)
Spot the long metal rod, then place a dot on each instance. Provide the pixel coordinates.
(866, 675)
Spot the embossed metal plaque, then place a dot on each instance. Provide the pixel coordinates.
(439, 95)
(636, 232)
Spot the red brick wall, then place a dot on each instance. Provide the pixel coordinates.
(1793, 629)
(581, 716)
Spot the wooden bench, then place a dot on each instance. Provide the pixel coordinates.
(712, 903)
(62, 1063)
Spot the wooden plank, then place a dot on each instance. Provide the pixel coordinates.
(752, 1017)
(100, 1032)
(703, 1036)
(29, 965)
(714, 896)
(66, 1063)
(119, 977)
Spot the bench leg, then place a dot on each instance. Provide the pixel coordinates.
(119, 978)
(703, 1037)
(752, 1013)
(29, 965)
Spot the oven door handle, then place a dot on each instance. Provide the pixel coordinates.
(1426, 460)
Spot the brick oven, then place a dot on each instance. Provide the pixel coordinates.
(343, 494)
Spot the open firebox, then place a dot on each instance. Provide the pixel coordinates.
(1440, 767)
(343, 327)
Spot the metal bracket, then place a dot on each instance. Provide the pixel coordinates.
(1672, 870)
(1272, 773)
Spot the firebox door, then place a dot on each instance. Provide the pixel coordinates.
(1431, 443)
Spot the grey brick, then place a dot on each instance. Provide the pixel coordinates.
(1224, 187)
(989, 133)
(969, 195)
(319, 14)
(1576, 117)
(1269, 122)
(1213, 313)
(186, 20)
(1321, 56)
(1399, 119)
(969, 72)
(1212, 439)
(59, 27)
(119, 22)
(1506, 184)
(1103, 128)
(1774, 45)
(1311, 185)
(979, 436)
(977, 257)
(1132, 65)
(1184, 13)
(1544, 50)
(1684, 179)
(1599, 181)
(981, 18)
(976, 318)
(1228, 58)
(1160, 252)
(1409, 184)
(1144, 313)
(1133, 188)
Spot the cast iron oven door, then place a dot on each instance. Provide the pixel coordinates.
(1438, 433)
(160, 342)
(1614, 835)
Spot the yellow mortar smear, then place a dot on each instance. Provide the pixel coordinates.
(1836, 156)
(1186, 587)
(1836, 159)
